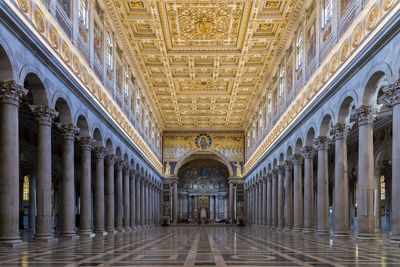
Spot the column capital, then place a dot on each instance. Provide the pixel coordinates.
(391, 93)
(68, 131)
(100, 152)
(269, 175)
(126, 167)
(275, 171)
(132, 171)
(321, 143)
(137, 174)
(308, 152)
(364, 115)
(119, 164)
(44, 114)
(297, 159)
(86, 143)
(11, 92)
(110, 159)
(288, 165)
(281, 168)
(339, 130)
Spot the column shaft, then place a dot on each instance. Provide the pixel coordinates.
(281, 196)
(99, 191)
(275, 199)
(288, 195)
(126, 189)
(321, 145)
(366, 184)
(109, 192)
(264, 202)
(230, 202)
(67, 215)
(132, 193)
(10, 96)
(119, 208)
(85, 187)
(308, 154)
(269, 199)
(298, 193)
(341, 206)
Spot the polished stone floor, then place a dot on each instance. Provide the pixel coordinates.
(203, 246)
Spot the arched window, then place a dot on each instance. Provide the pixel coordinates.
(299, 50)
(126, 84)
(25, 189)
(326, 12)
(109, 51)
(269, 102)
(281, 82)
(84, 13)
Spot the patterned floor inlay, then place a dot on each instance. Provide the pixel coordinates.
(204, 246)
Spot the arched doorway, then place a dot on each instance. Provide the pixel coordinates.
(203, 191)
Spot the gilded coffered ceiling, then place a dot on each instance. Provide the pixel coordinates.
(203, 62)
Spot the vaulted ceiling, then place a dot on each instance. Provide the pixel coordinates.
(203, 62)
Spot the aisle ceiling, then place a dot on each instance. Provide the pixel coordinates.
(204, 63)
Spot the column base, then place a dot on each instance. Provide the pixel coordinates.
(12, 243)
(279, 228)
(100, 233)
(308, 230)
(87, 234)
(322, 232)
(71, 236)
(128, 229)
(367, 237)
(112, 231)
(287, 228)
(297, 229)
(395, 239)
(45, 238)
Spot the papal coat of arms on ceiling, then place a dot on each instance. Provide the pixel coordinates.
(203, 141)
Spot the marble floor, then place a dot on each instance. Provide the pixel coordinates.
(203, 246)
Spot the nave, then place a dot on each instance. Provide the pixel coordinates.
(204, 246)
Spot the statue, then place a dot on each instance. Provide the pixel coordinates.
(238, 168)
(166, 208)
(167, 169)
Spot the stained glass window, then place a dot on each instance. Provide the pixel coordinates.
(299, 50)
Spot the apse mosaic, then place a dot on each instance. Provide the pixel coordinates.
(228, 146)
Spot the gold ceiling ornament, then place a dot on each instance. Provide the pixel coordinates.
(203, 62)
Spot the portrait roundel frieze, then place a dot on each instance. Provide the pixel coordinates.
(203, 141)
